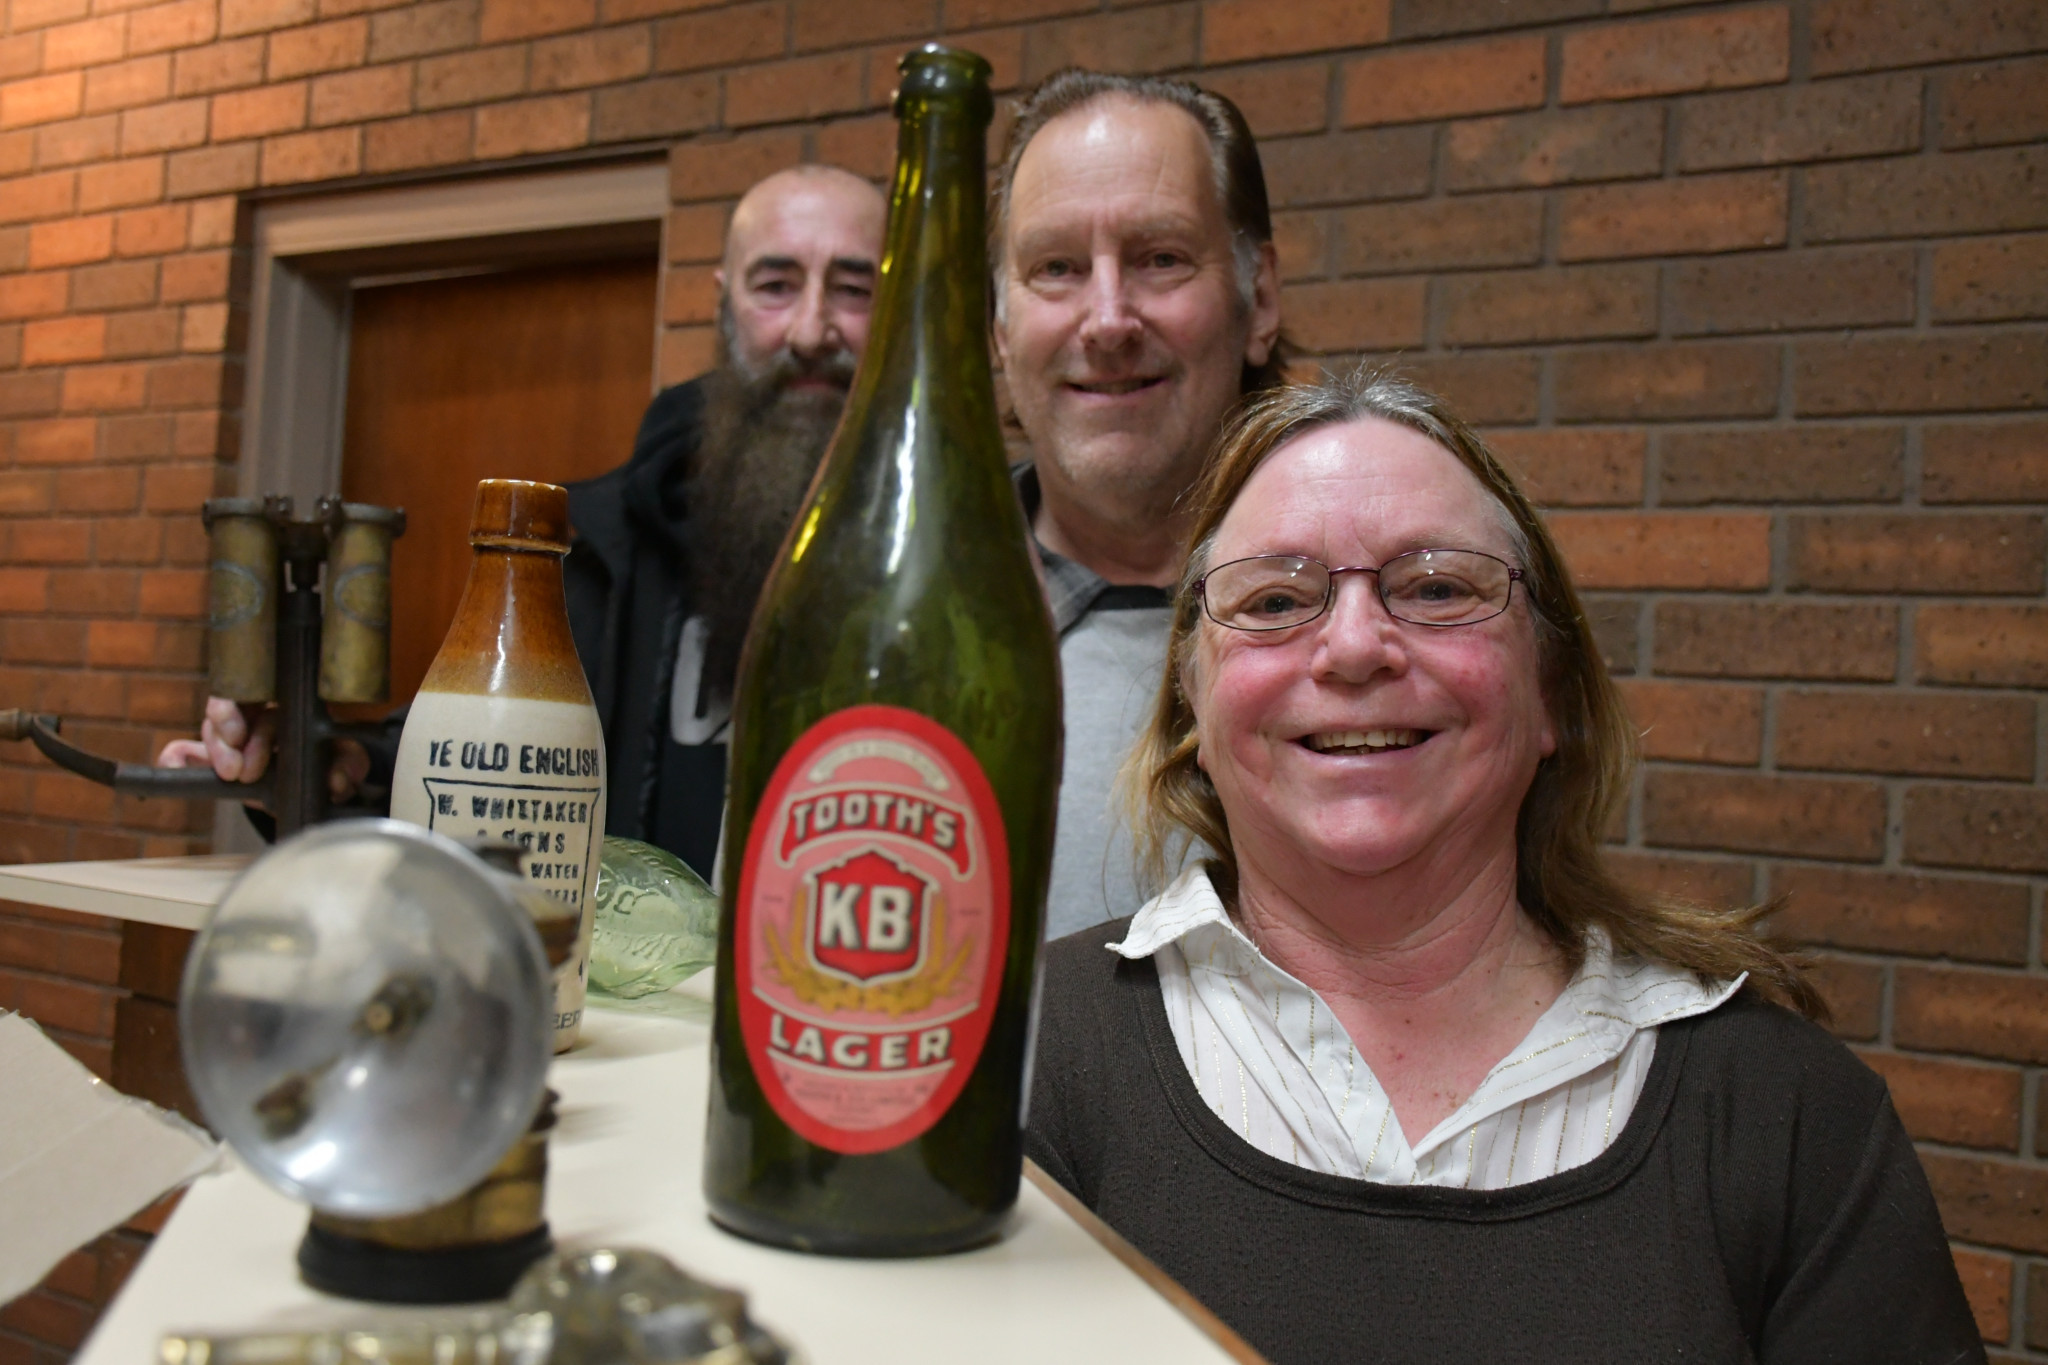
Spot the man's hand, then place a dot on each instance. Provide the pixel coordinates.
(236, 740)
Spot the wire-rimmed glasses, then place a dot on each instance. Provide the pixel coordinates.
(1421, 587)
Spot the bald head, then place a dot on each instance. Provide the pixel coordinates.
(813, 200)
(800, 265)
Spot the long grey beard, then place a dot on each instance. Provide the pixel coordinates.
(762, 443)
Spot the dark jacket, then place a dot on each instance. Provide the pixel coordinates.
(1762, 1203)
(626, 578)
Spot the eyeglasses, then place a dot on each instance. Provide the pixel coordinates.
(1422, 587)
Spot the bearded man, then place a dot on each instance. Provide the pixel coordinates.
(669, 551)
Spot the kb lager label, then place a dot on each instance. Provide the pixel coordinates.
(873, 918)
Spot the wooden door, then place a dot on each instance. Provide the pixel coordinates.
(537, 373)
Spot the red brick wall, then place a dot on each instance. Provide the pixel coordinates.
(47, 1324)
(1753, 292)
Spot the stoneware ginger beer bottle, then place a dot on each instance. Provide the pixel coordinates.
(894, 770)
(502, 741)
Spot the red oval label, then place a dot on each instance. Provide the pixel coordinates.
(874, 919)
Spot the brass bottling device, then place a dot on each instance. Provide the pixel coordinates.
(268, 640)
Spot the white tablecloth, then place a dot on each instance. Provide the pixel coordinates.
(625, 1163)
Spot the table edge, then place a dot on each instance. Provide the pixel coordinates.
(1141, 1265)
(85, 900)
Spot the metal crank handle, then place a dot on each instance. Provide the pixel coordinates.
(474, 1338)
(129, 779)
(599, 1307)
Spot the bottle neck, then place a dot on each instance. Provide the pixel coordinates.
(933, 293)
(510, 636)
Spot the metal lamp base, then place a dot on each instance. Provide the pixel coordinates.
(356, 1268)
(470, 1248)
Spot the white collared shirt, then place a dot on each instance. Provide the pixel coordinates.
(1270, 1058)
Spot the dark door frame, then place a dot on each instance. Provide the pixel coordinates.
(311, 253)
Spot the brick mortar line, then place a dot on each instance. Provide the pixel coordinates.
(2040, 927)
(2026, 1072)
(2024, 1163)
(1878, 957)
(1795, 861)
(1333, 91)
(2030, 1112)
(58, 1032)
(1968, 329)
(2040, 737)
(62, 1296)
(1852, 248)
(1875, 687)
(1833, 598)
(7, 916)
(1653, 471)
(1894, 825)
(1930, 113)
(1799, 36)
(42, 975)
(1887, 997)
(1767, 731)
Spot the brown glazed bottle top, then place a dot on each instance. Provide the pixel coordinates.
(510, 636)
(515, 514)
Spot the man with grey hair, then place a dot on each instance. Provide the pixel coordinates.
(1137, 303)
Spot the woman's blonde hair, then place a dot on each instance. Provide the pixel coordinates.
(1562, 881)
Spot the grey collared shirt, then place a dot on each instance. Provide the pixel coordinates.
(1112, 650)
(1069, 586)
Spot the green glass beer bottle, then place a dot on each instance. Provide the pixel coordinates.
(893, 773)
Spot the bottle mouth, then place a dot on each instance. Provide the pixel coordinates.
(935, 71)
(516, 514)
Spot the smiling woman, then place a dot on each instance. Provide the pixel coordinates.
(1401, 1024)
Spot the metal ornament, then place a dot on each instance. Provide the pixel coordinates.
(603, 1307)
(366, 1021)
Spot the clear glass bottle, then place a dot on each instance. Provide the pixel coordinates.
(503, 740)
